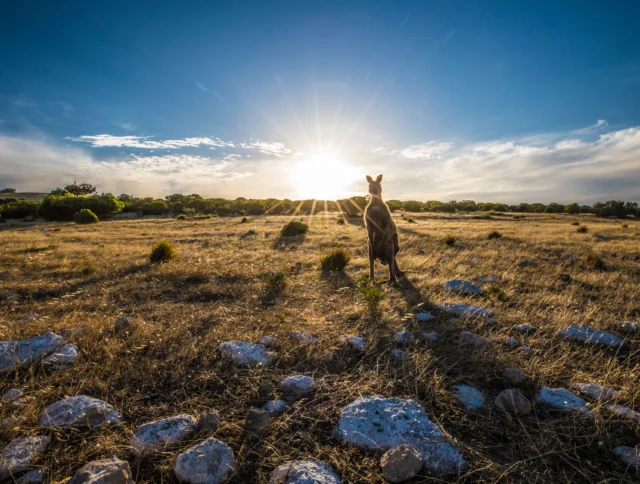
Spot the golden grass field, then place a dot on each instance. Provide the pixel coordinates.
(216, 290)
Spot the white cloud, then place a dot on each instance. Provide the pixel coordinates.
(144, 142)
(277, 149)
(590, 129)
(422, 151)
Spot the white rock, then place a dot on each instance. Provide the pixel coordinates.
(275, 407)
(162, 434)
(525, 328)
(629, 455)
(80, 411)
(624, 412)
(467, 310)
(22, 353)
(470, 398)
(430, 337)
(404, 337)
(472, 339)
(12, 395)
(630, 326)
(304, 472)
(209, 462)
(104, 471)
(302, 337)
(20, 454)
(64, 355)
(268, 341)
(355, 343)
(596, 391)
(246, 355)
(424, 316)
(295, 387)
(564, 400)
(589, 335)
(376, 422)
(461, 287)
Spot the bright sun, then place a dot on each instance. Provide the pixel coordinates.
(322, 176)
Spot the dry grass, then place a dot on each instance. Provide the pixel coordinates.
(218, 289)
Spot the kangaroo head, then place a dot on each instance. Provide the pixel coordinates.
(375, 186)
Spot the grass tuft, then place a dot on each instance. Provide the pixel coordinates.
(449, 240)
(494, 235)
(163, 251)
(294, 228)
(335, 260)
(582, 230)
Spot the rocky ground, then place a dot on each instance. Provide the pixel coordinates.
(510, 359)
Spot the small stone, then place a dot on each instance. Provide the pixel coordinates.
(302, 337)
(304, 472)
(630, 326)
(489, 279)
(123, 324)
(79, 411)
(11, 396)
(564, 400)
(466, 310)
(296, 387)
(625, 412)
(355, 343)
(525, 328)
(461, 287)
(472, 339)
(589, 336)
(162, 434)
(629, 455)
(400, 464)
(268, 341)
(597, 391)
(404, 337)
(29, 317)
(430, 337)
(246, 355)
(275, 407)
(209, 462)
(11, 422)
(64, 355)
(514, 402)
(20, 454)
(511, 342)
(526, 351)
(257, 421)
(209, 421)
(527, 263)
(471, 398)
(424, 317)
(513, 375)
(397, 354)
(104, 471)
(36, 476)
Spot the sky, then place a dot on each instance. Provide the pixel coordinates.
(492, 101)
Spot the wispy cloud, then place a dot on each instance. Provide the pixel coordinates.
(276, 149)
(590, 129)
(422, 151)
(145, 142)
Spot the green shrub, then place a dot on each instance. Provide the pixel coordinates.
(277, 279)
(340, 221)
(582, 230)
(372, 295)
(449, 240)
(19, 209)
(189, 212)
(294, 228)
(335, 260)
(497, 293)
(494, 235)
(64, 207)
(182, 216)
(244, 220)
(592, 260)
(88, 269)
(163, 251)
(86, 216)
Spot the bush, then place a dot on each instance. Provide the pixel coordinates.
(88, 269)
(244, 220)
(582, 230)
(494, 235)
(294, 228)
(189, 212)
(19, 209)
(593, 261)
(575, 223)
(86, 216)
(497, 293)
(277, 279)
(449, 240)
(335, 260)
(411, 221)
(340, 221)
(181, 217)
(163, 251)
(64, 207)
(371, 294)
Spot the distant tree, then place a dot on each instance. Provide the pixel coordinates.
(554, 208)
(61, 192)
(412, 206)
(82, 189)
(8, 190)
(126, 198)
(572, 208)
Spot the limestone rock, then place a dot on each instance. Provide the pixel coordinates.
(296, 387)
(104, 471)
(246, 355)
(268, 341)
(526, 351)
(511, 342)
(355, 343)
(404, 337)
(513, 375)
(514, 402)
(596, 391)
(209, 421)
(257, 421)
(630, 327)
(400, 464)
(209, 462)
(376, 422)
(63, 356)
(461, 287)
(525, 328)
(469, 397)
(302, 337)
(22, 353)
(162, 434)
(275, 407)
(467, 310)
(304, 472)
(12, 395)
(590, 336)
(628, 455)
(422, 317)
(20, 454)
(467, 338)
(80, 411)
(563, 400)
(29, 317)
(624, 412)
(36, 476)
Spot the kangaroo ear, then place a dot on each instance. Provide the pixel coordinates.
(369, 179)
(379, 179)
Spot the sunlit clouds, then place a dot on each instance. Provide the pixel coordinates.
(145, 142)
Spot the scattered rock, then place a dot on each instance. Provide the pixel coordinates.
(123, 324)
(257, 421)
(400, 463)
(12, 395)
(20, 454)
(467, 338)
(629, 455)
(296, 387)
(461, 287)
(514, 402)
(246, 355)
(275, 407)
(424, 317)
(470, 398)
(63, 356)
(302, 337)
(162, 434)
(11, 422)
(268, 341)
(527, 263)
(209, 421)
(304, 472)
(397, 354)
(486, 279)
(209, 462)
(596, 391)
(104, 471)
(80, 411)
(590, 336)
(430, 337)
(22, 353)
(404, 337)
(356, 343)
(526, 351)
(376, 422)
(511, 342)
(467, 310)
(36, 476)
(564, 400)
(513, 375)
(29, 317)
(525, 328)
(630, 326)
(625, 412)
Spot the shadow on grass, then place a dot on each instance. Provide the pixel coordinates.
(283, 243)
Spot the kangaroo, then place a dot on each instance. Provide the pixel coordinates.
(382, 231)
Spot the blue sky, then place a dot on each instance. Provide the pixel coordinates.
(494, 100)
